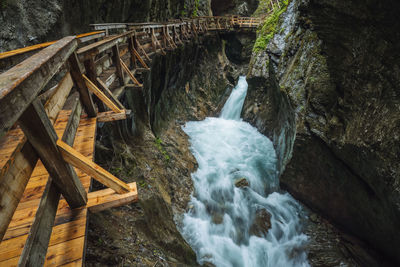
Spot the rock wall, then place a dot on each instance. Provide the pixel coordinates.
(188, 83)
(233, 7)
(326, 91)
(28, 22)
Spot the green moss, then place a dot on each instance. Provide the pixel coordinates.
(196, 8)
(269, 26)
(158, 144)
(3, 4)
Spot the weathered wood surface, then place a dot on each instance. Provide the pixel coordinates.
(117, 62)
(108, 198)
(109, 103)
(90, 168)
(76, 73)
(67, 239)
(36, 245)
(18, 158)
(20, 85)
(109, 94)
(41, 134)
(82, 38)
(130, 74)
(112, 116)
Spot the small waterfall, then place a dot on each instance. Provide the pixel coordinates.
(234, 105)
(228, 225)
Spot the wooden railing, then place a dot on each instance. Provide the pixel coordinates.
(100, 66)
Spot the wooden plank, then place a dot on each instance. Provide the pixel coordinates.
(86, 98)
(125, 67)
(14, 178)
(69, 224)
(15, 174)
(101, 95)
(41, 134)
(107, 198)
(56, 102)
(112, 116)
(35, 248)
(65, 252)
(92, 169)
(20, 85)
(117, 62)
(108, 93)
(100, 46)
(81, 38)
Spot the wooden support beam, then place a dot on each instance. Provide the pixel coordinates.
(107, 198)
(156, 43)
(92, 169)
(134, 80)
(41, 134)
(144, 52)
(137, 55)
(20, 85)
(86, 97)
(109, 103)
(17, 171)
(117, 62)
(112, 116)
(109, 94)
(35, 248)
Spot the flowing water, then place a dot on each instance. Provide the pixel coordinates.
(220, 225)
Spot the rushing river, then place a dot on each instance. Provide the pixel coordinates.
(220, 225)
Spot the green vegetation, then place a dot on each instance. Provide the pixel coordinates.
(3, 4)
(269, 27)
(158, 144)
(195, 12)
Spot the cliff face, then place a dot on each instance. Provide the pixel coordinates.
(235, 7)
(188, 83)
(28, 22)
(326, 91)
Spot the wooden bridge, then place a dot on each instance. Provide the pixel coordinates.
(47, 130)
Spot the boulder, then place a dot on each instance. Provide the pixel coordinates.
(261, 223)
(242, 182)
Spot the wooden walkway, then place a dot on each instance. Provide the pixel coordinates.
(67, 240)
(46, 150)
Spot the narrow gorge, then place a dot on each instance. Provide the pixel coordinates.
(275, 146)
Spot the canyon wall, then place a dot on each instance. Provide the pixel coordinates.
(28, 22)
(326, 91)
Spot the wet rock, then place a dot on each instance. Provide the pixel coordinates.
(217, 218)
(261, 223)
(329, 102)
(242, 182)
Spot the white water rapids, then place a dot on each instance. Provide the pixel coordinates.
(219, 222)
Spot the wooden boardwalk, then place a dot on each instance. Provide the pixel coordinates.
(46, 150)
(67, 240)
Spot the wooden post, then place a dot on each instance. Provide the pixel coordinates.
(131, 48)
(41, 134)
(86, 97)
(117, 62)
(90, 67)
